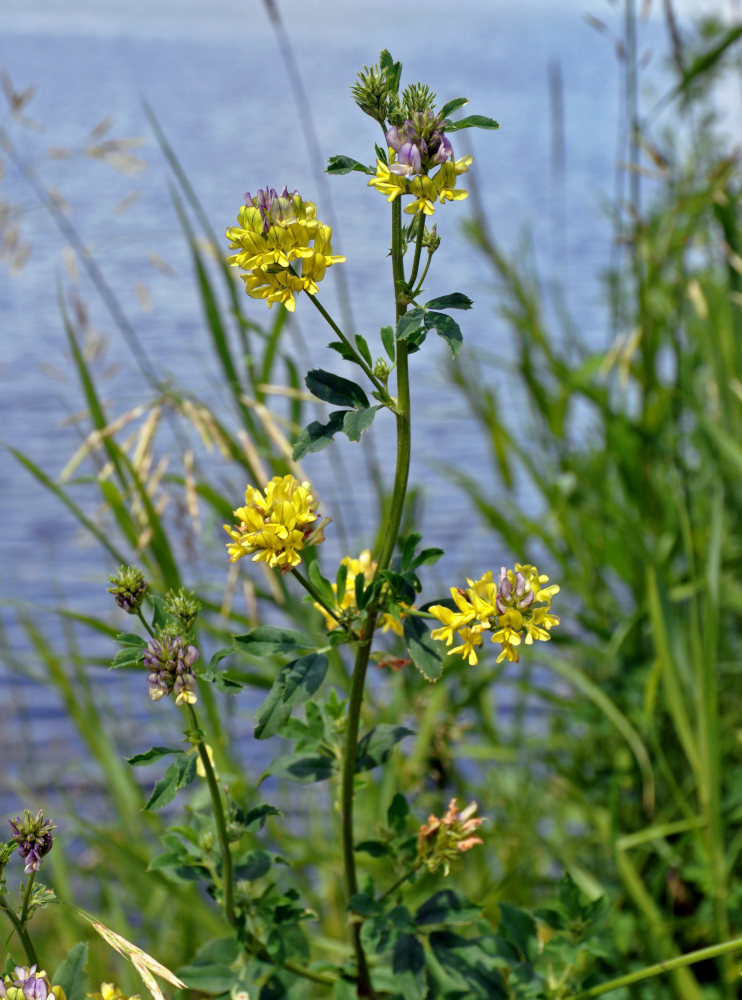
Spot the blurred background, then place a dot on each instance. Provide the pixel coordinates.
(590, 423)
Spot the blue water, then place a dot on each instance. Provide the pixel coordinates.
(218, 86)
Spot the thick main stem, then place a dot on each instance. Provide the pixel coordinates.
(391, 529)
(21, 931)
(219, 819)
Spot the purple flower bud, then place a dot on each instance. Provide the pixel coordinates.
(129, 588)
(409, 160)
(441, 149)
(396, 137)
(34, 838)
(170, 666)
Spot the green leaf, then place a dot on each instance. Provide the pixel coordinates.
(447, 907)
(341, 582)
(387, 339)
(519, 928)
(397, 813)
(335, 389)
(268, 639)
(473, 121)
(363, 350)
(178, 775)
(410, 324)
(317, 436)
(427, 557)
(254, 819)
(321, 584)
(303, 678)
(356, 421)
(210, 970)
(469, 965)
(345, 164)
(447, 327)
(376, 746)
(131, 652)
(295, 684)
(221, 682)
(707, 60)
(375, 848)
(70, 973)
(273, 713)
(408, 964)
(456, 300)
(392, 70)
(255, 865)
(303, 768)
(454, 105)
(364, 904)
(344, 350)
(154, 754)
(424, 651)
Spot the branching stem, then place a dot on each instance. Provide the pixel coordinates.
(219, 818)
(389, 536)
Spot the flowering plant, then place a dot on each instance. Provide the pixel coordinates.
(405, 933)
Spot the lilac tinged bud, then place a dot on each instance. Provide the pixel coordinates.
(170, 666)
(34, 838)
(275, 208)
(441, 149)
(419, 143)
(129, 588)
(396, 137)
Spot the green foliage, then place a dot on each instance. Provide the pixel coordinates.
(71, 975)
(628, 781)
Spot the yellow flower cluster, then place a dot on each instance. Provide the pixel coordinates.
(275, 524)
(517, 605)
(425, 188)
(110, 992)
(275, 232)
(365, 566)
(440, 841)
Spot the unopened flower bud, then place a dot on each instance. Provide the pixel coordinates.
(34, 838)
(184, 606)
(129, 588)
(170, 665)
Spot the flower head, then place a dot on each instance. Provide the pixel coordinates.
(275, 524)
(517, 606)
(275, 235)
(129, 588)
(365, 567)
(33, 834)
(440, 841)
(416, 148)
(170, 664)
(27, 984)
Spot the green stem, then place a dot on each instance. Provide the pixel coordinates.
(391, 529)
(21, 932)
(356, 356)
(418, 249)
(221, 824)
(416, 291)
(400, 881)
(713, 951)
(311, 589)
(27, 899)
(144, 622)
(259, 949)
